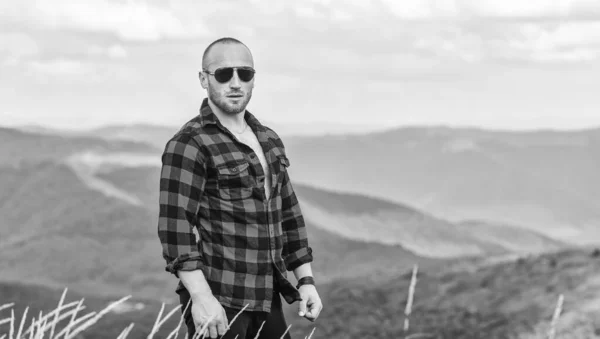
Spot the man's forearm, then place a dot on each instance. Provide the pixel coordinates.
(303, 270)
(195, 282)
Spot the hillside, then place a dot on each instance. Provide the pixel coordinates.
(40, 298)
(372, 219)
(544, 181)
(514, 299)
(335, 251)
(71, 234)
(101, 208)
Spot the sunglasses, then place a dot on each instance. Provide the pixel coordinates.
(225, 74)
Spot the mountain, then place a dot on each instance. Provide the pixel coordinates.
(82, 212)
(377, 220)
(19, 146)
(335, 251)
(545, 181)
(93, 210)
(514, 299)
(57, 231)
(157, 135)
(92, 239)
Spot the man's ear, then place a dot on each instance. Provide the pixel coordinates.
(203, 79)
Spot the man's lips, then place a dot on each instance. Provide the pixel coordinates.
(235, 95)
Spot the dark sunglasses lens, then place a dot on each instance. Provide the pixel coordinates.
(245, 74)
(223, 74)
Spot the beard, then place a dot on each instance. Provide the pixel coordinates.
(225, 105)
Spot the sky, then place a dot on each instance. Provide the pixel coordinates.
(499, 64)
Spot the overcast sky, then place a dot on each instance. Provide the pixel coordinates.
(492, 63)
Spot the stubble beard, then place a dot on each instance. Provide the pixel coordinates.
(221, 101)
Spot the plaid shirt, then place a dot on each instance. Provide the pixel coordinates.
(214, 183)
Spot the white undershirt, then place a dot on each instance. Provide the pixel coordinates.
(249, 138)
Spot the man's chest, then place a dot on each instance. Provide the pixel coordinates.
(240, 165)
(249, 139)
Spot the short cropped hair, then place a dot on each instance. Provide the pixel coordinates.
(224, 40)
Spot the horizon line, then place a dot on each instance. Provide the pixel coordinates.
(372, 128)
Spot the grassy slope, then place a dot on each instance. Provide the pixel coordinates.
(87, 240)
(334, 253)
(514, 299)
(508, 300)
(41, 298)
(72, 236)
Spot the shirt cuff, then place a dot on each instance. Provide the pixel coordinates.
(298, 258)
(184, 263)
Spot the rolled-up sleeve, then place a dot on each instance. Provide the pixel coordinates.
(182, 181)
(296, 249)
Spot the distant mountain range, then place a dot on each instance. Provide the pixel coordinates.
(375, 220)
(90, 207)
(156, 135)
(542, 180)
(545, 181)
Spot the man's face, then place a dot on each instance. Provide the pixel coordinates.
(233, 96)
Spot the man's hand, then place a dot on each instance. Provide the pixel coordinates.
(208, 310)
(310, 299)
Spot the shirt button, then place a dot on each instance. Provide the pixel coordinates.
(234, 170)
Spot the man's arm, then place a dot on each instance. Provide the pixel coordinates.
(182, 180)
(298, 253)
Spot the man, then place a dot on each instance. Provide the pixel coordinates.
(230, 223)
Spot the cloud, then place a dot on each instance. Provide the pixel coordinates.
(553, 41)
(63, 67)
(113, 52)
(422, 9)
(130, 20)
(570, 41)
(16, 46)
(465, 9)
(337, 34)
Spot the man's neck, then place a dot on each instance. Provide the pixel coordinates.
(230, 121)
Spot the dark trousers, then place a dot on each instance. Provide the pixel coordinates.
(247, 324)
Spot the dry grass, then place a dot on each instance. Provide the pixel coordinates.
(67, 321)
(557, 311)
(72, 322)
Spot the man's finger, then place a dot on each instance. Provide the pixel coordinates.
(221, 328)
(225, 321)
(302, 308)
(315, 309)
(212, 329)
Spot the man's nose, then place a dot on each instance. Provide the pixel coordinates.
(235, 81)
